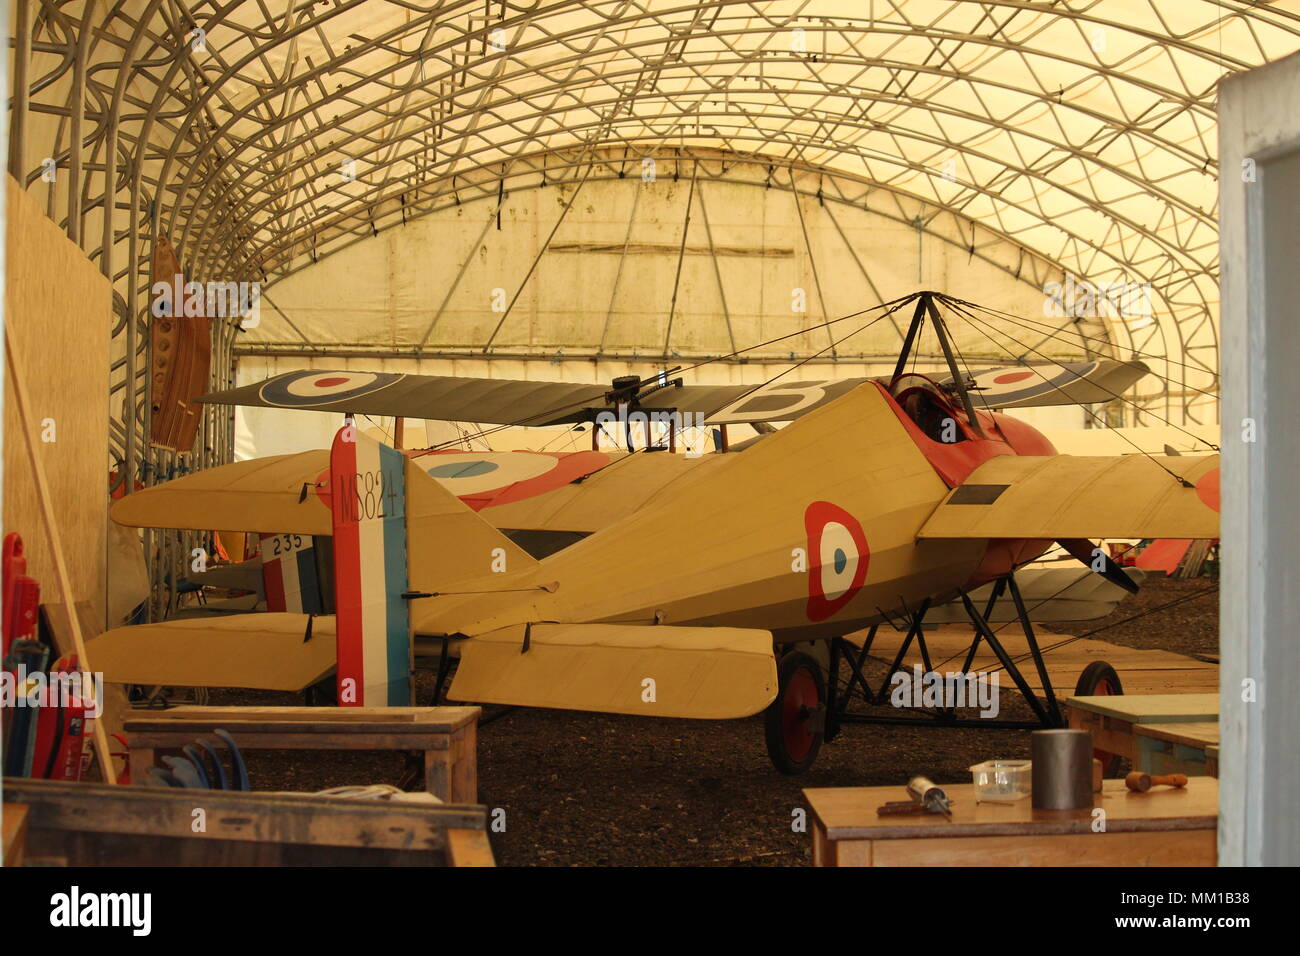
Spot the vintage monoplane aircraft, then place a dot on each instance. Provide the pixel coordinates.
(656, 585)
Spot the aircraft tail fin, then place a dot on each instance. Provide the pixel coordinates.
(449, 541)
(368, 508)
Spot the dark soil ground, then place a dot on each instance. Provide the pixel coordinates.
(584, 789)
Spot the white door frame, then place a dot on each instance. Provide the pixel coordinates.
(1259, 616)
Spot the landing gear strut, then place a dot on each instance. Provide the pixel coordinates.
(795, 723)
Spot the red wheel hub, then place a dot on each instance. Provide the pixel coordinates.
(799, 701)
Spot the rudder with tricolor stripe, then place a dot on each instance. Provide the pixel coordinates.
(367, 495)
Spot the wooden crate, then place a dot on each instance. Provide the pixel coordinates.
(447, 736)
(85, 824)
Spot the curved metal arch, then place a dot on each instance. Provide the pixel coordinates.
(669, 37)
(251, 210)
(486, 190)
(370, 205)
(607, 78)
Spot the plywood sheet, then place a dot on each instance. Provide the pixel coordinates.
(58, 309)
(1151, 708)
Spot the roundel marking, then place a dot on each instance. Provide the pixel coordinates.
(837, 556)
(468, 469)
(310, 388)
(1012, 377)
(486, 479)
(1000, 387)
(472, 473)
(1207, 489)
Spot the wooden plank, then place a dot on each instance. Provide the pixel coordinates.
(1192, 733)
(469, 848)
(1185, 848)
(53, 533)
(280, 740)
(1150, 708)
(849, 813)
(339, 720)
(247, 817)
(13, 842)
(58, 313)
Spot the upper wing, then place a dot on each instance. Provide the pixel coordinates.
(1077, 383)
(1063, 496)
(515, 402)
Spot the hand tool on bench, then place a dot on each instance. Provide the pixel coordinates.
(1140, 782)
(926, 798)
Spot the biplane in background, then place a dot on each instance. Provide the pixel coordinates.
(657, 585)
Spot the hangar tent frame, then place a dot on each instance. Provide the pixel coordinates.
(260, 140)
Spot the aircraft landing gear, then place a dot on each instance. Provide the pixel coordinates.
(795, 723)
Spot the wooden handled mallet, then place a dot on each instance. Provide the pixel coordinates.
(1140, 782)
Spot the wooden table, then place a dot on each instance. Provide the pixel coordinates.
(1164, 827)
(1112, 718)
(447, 736)
(1191, 747)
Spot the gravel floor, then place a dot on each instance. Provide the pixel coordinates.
(600, 790)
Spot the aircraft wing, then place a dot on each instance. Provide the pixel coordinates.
(1064, 496)
(702, 672)
(261, 495)
(1050, 595)
(266, 494)
(516, 402)
(1077, 383)
(263, 651)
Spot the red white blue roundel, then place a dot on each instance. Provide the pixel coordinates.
(837, 558)
(307, 389)
(1000, 387)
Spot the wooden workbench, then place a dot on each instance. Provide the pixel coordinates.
(1164, 827)
(1112, 719)
(446, 736)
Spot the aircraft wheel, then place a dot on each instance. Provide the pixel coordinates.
(1100, 680)
(795, 722)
